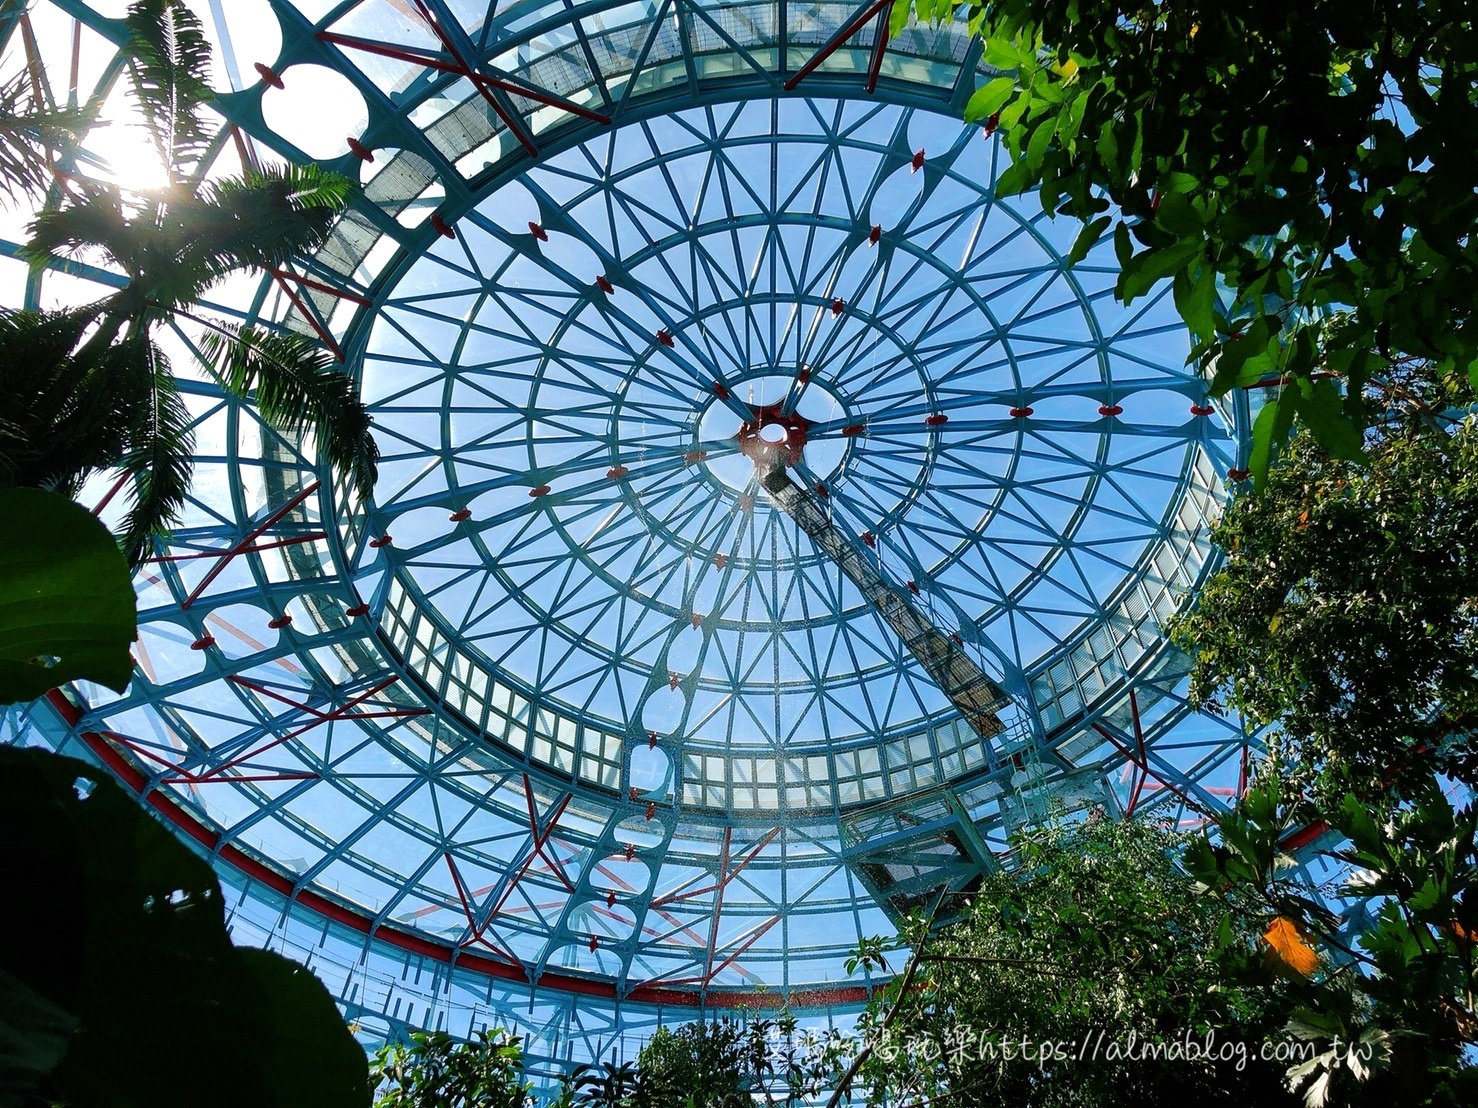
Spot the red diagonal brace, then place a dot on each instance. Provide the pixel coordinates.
(247, 541)
(478, 933)
(178, 775)
(108, 497)
(537, 841)
(755, 937)
(854, 25)
(320, 286)
(879, 47)
(481, 80)
(723, 878)
(1124, 750)
(306, 312)
(296, 540)
(718, 906)
(344, 711)
(678, 925)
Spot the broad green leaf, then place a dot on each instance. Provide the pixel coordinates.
(898, 18)
(66, 604)
(1036, 147)
(1150, 266)
(989, 99)
(1236, 354)
(1087, 238)
(1323, 410)
(1123, 247)
(999, 52)
(1177, 215)
(1013, 180)
(1195, 299)
(309, 1056)
(134, 947)
(1354, 820)
(1269, 431)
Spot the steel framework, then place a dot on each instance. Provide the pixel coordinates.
(570, 728)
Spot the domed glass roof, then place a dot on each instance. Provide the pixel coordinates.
(736, 435)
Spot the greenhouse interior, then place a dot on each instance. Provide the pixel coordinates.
(740, 620)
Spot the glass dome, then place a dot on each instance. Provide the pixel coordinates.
(583, 722)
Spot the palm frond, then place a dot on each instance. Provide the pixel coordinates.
(169, 68)
(261, 219)
(98, 220)
(64, 415)
(299, 387)
(157, 458)
(28, 132)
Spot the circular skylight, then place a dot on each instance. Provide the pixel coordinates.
(573, 392)
(770, 519)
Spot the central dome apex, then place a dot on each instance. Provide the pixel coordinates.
(582, 382)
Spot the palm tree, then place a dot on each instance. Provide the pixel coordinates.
(29, 131)
(91, 388)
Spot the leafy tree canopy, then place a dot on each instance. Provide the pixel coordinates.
(698, 1065)
(91, 388)
(1303, 172)
(433, 1070)
(1394, 974)
(1346, 614)
(1100, 936)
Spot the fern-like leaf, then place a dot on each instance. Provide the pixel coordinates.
(299, 387)
(29, 131)
(261, 219)
(169, 68)
(158, 455)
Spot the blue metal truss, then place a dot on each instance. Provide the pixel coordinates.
(569, 728)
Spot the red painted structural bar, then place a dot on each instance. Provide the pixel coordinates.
(253, 868)
(835, 42)
(341, 712)
(108, 497)
(718, 906)
(320, 286)
(537, 839)
(1144, 772)
(1124, 750)
(251, 536)
(879, 48)
(551, 822)
(739, 950)
(468, 71)
(724, 878)
(441, 65)
(296, 540)
(477, 932)
(323, 333)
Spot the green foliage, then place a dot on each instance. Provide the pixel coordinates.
(118, 983)
(29, 132)
(1100, 932)
(713, 1064)
(298, 387)
(1396, 973)
(90, 388)
(1302, 172)
(1346, 614)
(66, 603)
(699, 1065)
(604, 1085)
(434, 1070)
